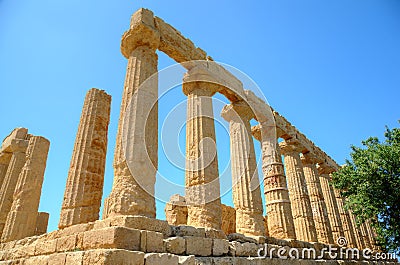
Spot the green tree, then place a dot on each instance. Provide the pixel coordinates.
(370, 184)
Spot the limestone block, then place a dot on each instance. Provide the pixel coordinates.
(214, 233)
(46, 247)
(228, 219)
(241, 238)
(175, 245)
(187, 260)
(39, 260)
(84, 187)
(74, 258)
(16, 135)
(68, 243)
(151, 241)
(176, 210)
(184, 230)
(112, 237)
(113, 257)
(73, 230)
(198, 246)
(57, 259)
(220, 247)
(142, 223)
(243, 249)
(161, 258)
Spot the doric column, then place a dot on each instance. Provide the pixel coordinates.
(330, 201)
(318, 205)
(245, 182)
(202, 177)
(4, 162)
(371, 235)
(84, 188)
(135, 158)
(11, 178)
(298, 194)
(348, 230)
(365, 236)
(359, 242)
(21, 221)
(279, 212)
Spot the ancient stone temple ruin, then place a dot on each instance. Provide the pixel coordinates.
(304, 213)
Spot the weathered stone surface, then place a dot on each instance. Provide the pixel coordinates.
(112, 237)
(184, 230)
(112, 257)
(42, 221)
(246, 187)
(357, 232)
(345, 219)
(318, 205)
(151, 241)
(161, 258)
(84, 187)
(176, 210)
(187, 260)
(279, 213)
(228, 219)
(201, 178)
(220, 247)
(298, 193)
(4, 162)
(175, 245)
(142, 223)
(16, 144)
(330, 200)
(198, 246)
(21, 221)
(135, 158)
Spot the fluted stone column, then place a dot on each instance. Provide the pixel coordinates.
(359, 242)
(245, 182)
(298, 194)
(331, 203)
(21, 221)
(10, 181)
(279, 212)
(318, 205)
(84, 188)
(371, 235)
(4, 162)
(348, 230)
(202, 176)
(365, 235)
(135, 158)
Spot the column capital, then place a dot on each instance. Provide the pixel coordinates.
(239, 110)
(142, 32)
(200, 78)
(324, 168)
(309, 159)
(290, 146)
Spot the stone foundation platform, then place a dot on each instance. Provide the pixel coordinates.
(141, 240)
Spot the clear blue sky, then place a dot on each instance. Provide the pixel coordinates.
(330, 67)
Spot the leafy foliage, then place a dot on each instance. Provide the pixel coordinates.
(370, 184)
